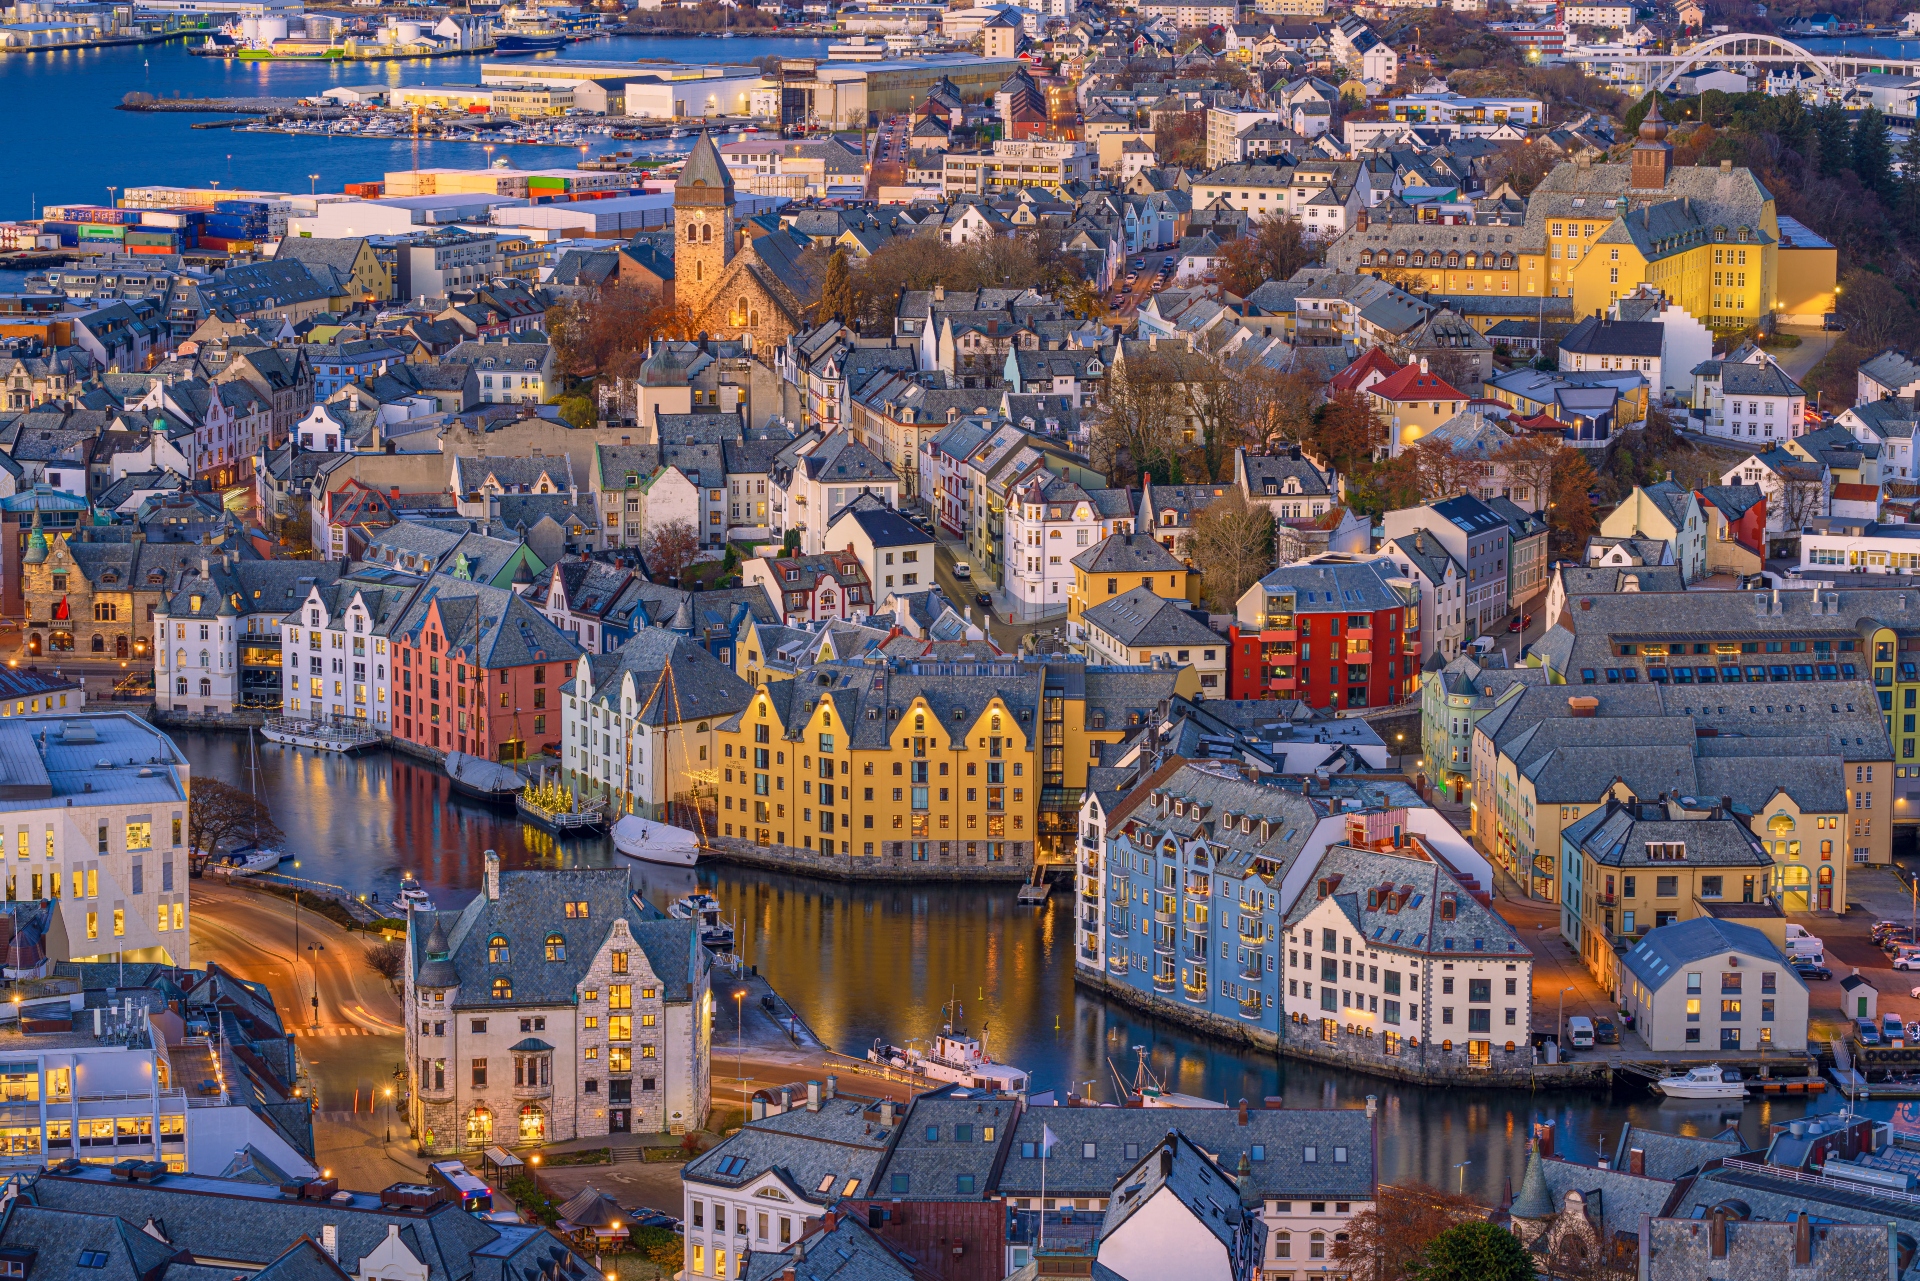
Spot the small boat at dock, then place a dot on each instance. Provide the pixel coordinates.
(553, 805)
(483, 780)
(321, 736)
(411, 898)
(1710, 1082)
(652, 842)
(955, 1058)
(716, 931)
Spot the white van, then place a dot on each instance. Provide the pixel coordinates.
(1580, 1032)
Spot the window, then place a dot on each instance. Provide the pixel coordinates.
(556, 948)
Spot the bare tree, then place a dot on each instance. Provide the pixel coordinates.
(1799, 496)
(219, 812)
(1527, 462)
(1387, 1242)
(669, 549)
(1439, 472)
(1232, 542)
(386, 960)
(1138, 424)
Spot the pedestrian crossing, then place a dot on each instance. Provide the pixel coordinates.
(338, 1031)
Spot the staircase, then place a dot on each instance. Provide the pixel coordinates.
(625, 1148)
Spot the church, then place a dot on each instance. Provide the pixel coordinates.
(735, 280)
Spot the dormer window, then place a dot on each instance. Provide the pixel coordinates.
(556, 948)
(502, 989)
(497, 952)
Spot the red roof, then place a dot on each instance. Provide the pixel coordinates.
(1542, 421)
(1372, 360)
(1856, 493)
(1413, 384)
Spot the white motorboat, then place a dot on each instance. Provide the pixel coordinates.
(412, 898)
(704, 909)
(955, 1057)
(249, 860)
(652, 842)
(1710, 1082)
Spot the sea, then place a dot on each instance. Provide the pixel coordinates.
(70, 142)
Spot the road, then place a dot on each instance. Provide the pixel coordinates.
(344, 1015)
(963, 591)
(1815, 343)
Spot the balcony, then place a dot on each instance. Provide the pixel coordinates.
(1251, 1007)
(1253, 932)
(1163, 945)
(1118, 930)
(1284, 684)
(1194, 992)
(1164, 982)
(1194, 954)
(1165, 918)
(1255, 966)
(1269, 634)
(1116, 965)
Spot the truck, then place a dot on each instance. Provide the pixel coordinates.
(1804, 946)
(468, 1189)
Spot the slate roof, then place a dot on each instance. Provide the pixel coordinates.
(1128, 554)
(1669, 1156)
(820, 1156)
(942, 1138)
(1617, 835)
(1332, 585)
(848, 1253)
(1597, 336)
(1139, 618)
(1615, 1198)
(883, 526)
(529, 909)
(675, 678)
(1764, 379)
(1405, 922)
(491, 627)
(1665, 950)
(1765, 1251)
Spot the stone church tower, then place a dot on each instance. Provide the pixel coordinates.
(703, 226)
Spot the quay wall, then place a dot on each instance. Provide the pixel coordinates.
(946, 861)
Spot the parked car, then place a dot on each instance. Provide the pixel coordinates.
(1606, 1032)
(1139, 264)
(984, 600)
(645, 1218)
(1879, 930)
(1892, 1028)
(1809, 970)
(1869, 1031)
(962, 570)
(1907, 959)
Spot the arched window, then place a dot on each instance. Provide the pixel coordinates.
(996, 722)
(99, 644)
(502, 989)
(206, 688)
(693, 232)
(180, 686)
(533, 1123)
(699, 270)
(556, 948)
(1283, 1245)
(203, 659)
(753, 318)
(480, 1125)
(497, 953)
(706, 233)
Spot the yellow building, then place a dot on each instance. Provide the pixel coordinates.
(1116, 565)
(950, 764)
(1708, 237)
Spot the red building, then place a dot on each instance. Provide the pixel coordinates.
(1333, 632)
(1743, 509)
(476, 669)
(811, 588)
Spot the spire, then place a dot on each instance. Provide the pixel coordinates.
(1653, 128)
(1534, 1201)
(705, 169)
(36, 542)
(683, 617)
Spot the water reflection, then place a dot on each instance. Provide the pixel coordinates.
(865, 961)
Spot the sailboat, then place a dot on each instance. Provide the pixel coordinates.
(1145, 1090)
(250, 859)
(726, 32)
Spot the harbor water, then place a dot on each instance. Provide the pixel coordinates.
(860, 962)
(68, 142)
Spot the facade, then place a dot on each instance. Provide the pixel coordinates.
(1119, 563)
(833, 585)
(1749, 399)
(553, 1007)
(1140, 627)
(1668, 513)
(218, 643)
(895, 553)
(1333, 632)
(1049, 521)
(334, 650)
(1442, 581)
(1762, 1000)
(1452, 699)
(639, 725)
(105, 847)
(1480, 540)
(812, 479)
(1413, 402)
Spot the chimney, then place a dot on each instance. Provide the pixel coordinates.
(493, 876)
(833, 1086)
(1166, 1160)
(1802, 1240)
(759, 1109)
(813, 1096)
(830, 1222)
(1637, 1161)
(1646, 1247)
(1543, 1138)
(939, 293)
(1243, 1111)
(1583, 707)
(1717, 1234)
(886, 1112)
(786, 1098)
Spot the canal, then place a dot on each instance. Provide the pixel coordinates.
(865, 961)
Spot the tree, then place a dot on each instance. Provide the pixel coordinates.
(1385, 1243)
(1137, 426)
(577, 411)
(1872, 152)
(1474, 1252)
(1232, 540)
(669, 549)
(1799, 495)
(836, 292)
(1527, 463)
(1570, 519)
(1345, 433)
(387, 960)
(1442, 473)
(1272, 249)
(218, 812)
(608, 332)
(1180, 138)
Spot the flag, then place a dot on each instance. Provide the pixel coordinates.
(1047, 1138)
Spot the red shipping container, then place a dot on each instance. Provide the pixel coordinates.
(365, 190)
(150, 249)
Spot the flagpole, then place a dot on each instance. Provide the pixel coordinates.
(1041, 1243)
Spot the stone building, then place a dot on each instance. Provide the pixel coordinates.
(732, 284)
(554, 1006)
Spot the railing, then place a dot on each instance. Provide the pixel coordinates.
(1739, 1166)
(1255, 967)
(1165, 918)
(1251, 1007)
(1193, 992)
(1164, 947)
(1164, 982)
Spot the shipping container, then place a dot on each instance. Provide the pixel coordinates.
(94, 231)
(365, 190)
(151, 249)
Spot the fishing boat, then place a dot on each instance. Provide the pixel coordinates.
(1710, 1082)
(715, 931)
(956, 1058)
(553, 805)
(411, 898)
(1146, 1090)
(651, 842)
(483, 780)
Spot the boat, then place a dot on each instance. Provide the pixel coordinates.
(482, 779)
(956, 1058)
(553, 805)
(251, 859)
(1146, 1090)
(411, 899)
(1710, 1082)
(321, 736)
(511, 43)
(715, 932)
(652, 842)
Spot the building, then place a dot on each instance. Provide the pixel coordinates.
(896, 555)
(1014, 164)
(1049, 521)
(1442, 581)
(813, 478)
(554, 1006)
(1332, 632)
(1119, 563)
(1749, 392)
(1140, 627)
(1412, 402)
(732, 284)
(1480, 540)
(1452, 700)
(833, 585)
(334, 649)
(639, 724)
(98, 812)
(218, 643)
(1667, 513)
(478, 669)
(1675, 970)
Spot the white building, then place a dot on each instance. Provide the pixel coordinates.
(1748, 398)
(896, 554)
(817, 475)
(554, 1006)
(1600, 15)
(96, 819)
(334, 650)
(1049, 520)
(216, 640)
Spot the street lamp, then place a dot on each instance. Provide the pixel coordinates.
(1462, 1167)
(740, 1043)
(312, 948)
(389, 1114)
(313, 184)
(1559, 1020)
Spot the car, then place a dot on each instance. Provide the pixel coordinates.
(1809, 970)
(1166, 262)
(1879, 930)
(641, 1217)
(1139, 264)
(983, 599)
(1132, 276)
(1892, 1028)
(1606, 1032)
(1516, 624)
(962, 570)
(1868, 1030)
(1907, 961)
